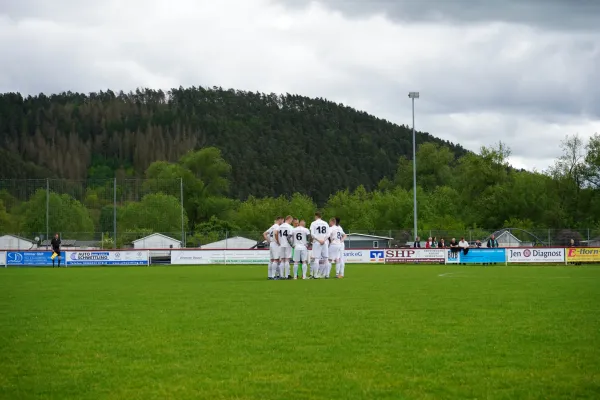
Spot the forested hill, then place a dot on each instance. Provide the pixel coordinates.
(276, 144)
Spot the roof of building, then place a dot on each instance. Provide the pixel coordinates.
(236, 242)
(63, 242)
(156, 234)
(356, 235)
(19, 237)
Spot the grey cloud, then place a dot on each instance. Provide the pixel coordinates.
(548, 14)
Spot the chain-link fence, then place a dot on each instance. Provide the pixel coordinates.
(153, 213)
(90, 214)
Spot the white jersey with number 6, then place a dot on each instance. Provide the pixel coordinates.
(300, 236)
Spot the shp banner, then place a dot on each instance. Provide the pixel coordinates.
(583, 254)
(403, 256)
(541, 255)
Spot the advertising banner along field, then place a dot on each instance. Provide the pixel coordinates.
(28, 258)
(2, 259)
(476, 256)
(205, 257)
(583, 254)
(402, 256)
(100, 257)
(541, 255)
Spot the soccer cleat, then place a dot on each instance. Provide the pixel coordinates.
(295, 278)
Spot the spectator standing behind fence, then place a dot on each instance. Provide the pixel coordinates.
(417, 243)
(454, 248)
(441, 244)
(464, 246)
(492, 242)
(434, 243)
(429, 243)
(478, 243)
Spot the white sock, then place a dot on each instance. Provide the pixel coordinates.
(270, 269)
(280, 269)
(273, 269)
(327, 268)
(295, 269)
(314, 267)
(342, 265)
(337, 268)
(286, 268)
(304, 270)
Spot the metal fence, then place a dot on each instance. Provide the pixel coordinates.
(108, 213)
(115, 213)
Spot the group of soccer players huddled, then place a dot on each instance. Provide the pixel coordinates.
(289, 239)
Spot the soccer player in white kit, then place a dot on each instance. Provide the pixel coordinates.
(319, 231)
(337, 237)
(342, 257)
(284, 238)
(300, 236)
(269, 235)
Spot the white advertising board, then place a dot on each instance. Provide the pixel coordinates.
(402, 256)
(2, 259)
(541, 255)
(194, 257)
(105, 257)
(197, 257)
(364, 256)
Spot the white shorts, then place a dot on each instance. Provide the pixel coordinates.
(300, 254)
(274, 250)
(335, 251)
(320, 251)
(285, 252)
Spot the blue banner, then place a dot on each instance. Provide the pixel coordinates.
(483, 256)
(29, 258)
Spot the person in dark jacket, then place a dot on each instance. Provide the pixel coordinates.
(492, 242)
(55, 243)
(417, 243)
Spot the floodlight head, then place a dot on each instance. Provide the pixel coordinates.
(413, 95)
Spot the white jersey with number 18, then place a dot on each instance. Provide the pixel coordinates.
(319, 230)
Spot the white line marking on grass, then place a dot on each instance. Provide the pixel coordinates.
(449, 273)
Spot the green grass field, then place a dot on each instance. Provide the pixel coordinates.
(225, 332)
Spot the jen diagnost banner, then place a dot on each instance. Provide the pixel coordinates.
(583, 254)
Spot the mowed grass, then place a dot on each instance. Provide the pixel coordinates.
(225, 332)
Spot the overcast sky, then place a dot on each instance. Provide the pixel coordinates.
(525, 72)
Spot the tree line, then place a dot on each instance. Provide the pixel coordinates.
(273, 143)
(475, 191)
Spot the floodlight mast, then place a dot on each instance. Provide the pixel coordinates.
(413, 96)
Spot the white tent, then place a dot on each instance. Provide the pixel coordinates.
(236, 242)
